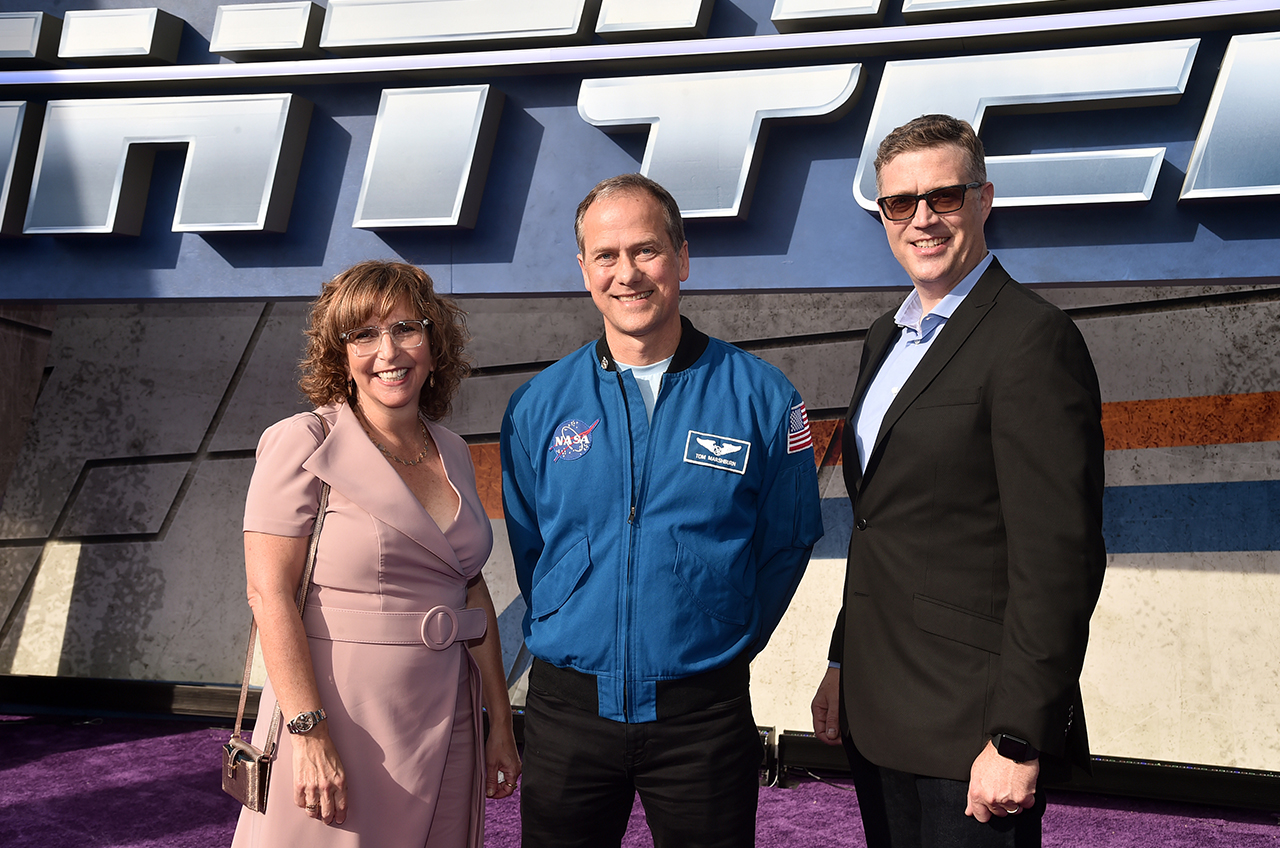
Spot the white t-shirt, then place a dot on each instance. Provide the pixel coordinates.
(649, 377)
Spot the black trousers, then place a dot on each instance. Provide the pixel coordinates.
(902, 810)
(697, 774)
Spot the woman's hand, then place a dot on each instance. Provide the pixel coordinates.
(319, 782)
(501, 759)
(500, 753)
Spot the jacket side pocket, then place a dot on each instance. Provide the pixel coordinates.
(554, 587)
(959, 625)
(709, 590)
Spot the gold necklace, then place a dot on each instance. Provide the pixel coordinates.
(426, 446)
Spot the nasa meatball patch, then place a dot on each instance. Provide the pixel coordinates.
(572, 440)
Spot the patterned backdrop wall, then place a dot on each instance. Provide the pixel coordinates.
(179, 177)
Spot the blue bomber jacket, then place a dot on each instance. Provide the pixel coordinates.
(656, 551)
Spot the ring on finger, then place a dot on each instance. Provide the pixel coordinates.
(1013, 810)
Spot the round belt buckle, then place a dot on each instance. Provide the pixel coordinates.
(430, 639)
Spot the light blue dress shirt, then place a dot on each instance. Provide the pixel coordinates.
(915, 336)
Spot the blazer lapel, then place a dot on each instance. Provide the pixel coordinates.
(879, 338)
(349, 462)
(950, 338)
(874, 348)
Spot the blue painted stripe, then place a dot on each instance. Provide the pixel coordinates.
(1192, 517)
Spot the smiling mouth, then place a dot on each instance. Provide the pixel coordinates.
(633, 298)
(392, 376)
(928, 243)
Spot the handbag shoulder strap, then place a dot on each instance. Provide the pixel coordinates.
(310, 565)
(301, 601)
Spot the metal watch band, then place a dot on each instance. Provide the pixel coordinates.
(306, 721)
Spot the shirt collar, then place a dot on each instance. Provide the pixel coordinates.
(908, 314)
(693, 343)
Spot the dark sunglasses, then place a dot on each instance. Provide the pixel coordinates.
(902, 207)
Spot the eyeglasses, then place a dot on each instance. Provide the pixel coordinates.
(404, 335)
(902, 207)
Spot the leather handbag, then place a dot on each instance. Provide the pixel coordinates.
(246, 769)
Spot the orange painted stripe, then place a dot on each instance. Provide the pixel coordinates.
(1206, 420)
(1127, 425)
(1164, 423)
(826, 439)
(488, 463)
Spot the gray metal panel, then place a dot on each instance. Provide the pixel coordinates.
(429, 157)
(140, 35)
(268, 31)
(126, 498)
(93, 165)
(1235, 152)
(966, 86)
(269, 379)
(126, 380)
(699, 119)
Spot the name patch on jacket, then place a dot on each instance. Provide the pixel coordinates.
(717, 452)
(572, 440)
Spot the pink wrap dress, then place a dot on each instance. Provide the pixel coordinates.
(403, 699)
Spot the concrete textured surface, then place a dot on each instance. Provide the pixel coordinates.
(120, 552)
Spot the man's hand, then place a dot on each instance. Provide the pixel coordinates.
(998, 786)
(826, 708)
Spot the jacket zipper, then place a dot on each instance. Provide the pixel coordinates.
(631, 518)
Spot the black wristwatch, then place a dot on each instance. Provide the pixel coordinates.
(1013, 748)
(306, 721)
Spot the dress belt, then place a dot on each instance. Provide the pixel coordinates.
(437, 629)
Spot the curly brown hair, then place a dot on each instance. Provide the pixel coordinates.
(364, 294)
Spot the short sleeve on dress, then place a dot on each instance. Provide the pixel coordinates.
(283, 497)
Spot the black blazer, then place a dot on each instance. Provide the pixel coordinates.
(976, 556)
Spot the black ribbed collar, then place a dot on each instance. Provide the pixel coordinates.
(693, 342)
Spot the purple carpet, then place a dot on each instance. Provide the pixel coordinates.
(114, 783)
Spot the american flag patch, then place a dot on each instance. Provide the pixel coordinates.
(798, 435)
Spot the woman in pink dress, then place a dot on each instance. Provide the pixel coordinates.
(382, 679)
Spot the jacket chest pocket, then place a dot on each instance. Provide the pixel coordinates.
(959, 396)
(943, 423)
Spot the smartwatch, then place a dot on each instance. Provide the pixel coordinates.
(1013, 748)
(306, 721)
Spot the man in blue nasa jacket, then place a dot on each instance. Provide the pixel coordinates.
(661, 501)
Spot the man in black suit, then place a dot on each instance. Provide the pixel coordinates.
(973, 459)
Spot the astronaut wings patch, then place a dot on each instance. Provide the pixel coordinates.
(714, 451)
